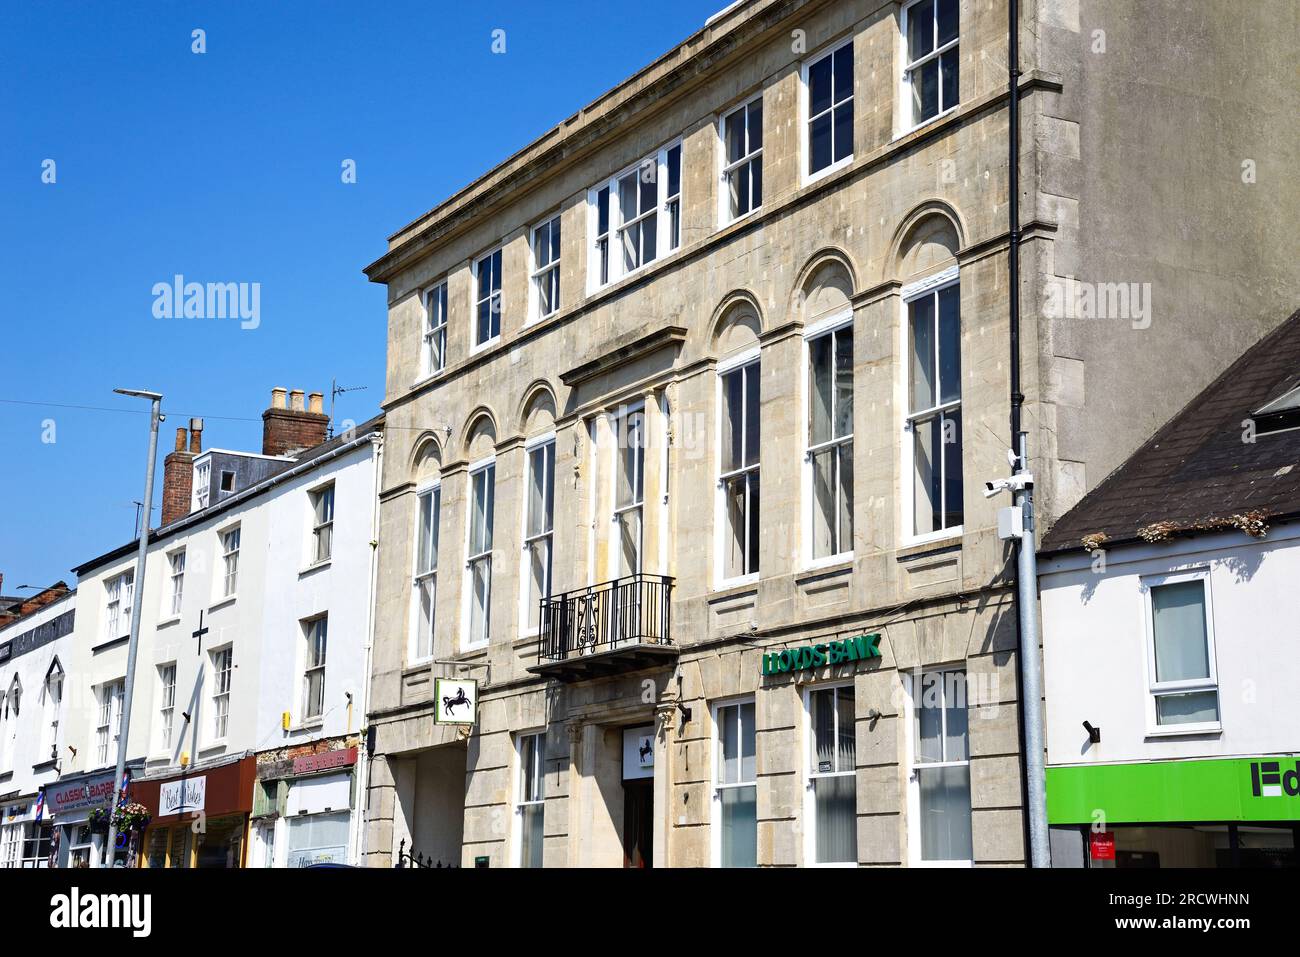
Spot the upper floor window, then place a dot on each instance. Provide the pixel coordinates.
(738, 479)
(117, 610)
(176, 575)
(166, 705)
(546, 268)
(10, 705)
(313, 678)
(202, 484)
(230, 561)
(637, 216)
(109, 724)
(829, 455)
(479, 552)
(487, 298)
(433, 356)
(934, 407)
(539, 530)
(742, 160)
(1184, 684)
(829, 132)
(426, 569)
(223, 664)
(53, 712)
(931, 75)
(629, 492)
(322, 530)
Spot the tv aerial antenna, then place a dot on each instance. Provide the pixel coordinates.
(337, 390)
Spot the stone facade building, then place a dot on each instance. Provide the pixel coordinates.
(690, 400)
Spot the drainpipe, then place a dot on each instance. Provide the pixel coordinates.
(363, 753)
(1031, 690)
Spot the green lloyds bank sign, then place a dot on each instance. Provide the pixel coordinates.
(815, 656)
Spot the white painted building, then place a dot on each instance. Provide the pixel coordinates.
(34, 657)
(251, 677)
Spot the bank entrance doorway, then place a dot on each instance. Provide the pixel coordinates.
(638, 796)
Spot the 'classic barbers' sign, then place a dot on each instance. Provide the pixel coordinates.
(828, 653)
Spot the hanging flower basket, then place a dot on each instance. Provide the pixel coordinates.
(98, 821)
(131, 818)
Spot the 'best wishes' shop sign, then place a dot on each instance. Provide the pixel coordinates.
(828, 653)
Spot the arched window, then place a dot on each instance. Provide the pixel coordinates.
(428, 511)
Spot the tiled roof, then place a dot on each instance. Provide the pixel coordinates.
(1198, 471)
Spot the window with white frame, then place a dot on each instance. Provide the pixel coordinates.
(546, 268)
(202, 487)
(166, 705)
(434, 343)
(738, 479)
(1184, 683)
(479, 552)
(930, 78)
(934, 408)
(829, 82)
(52, 712)
(628, 227)
(9, 710)
(322, 528)
(629, 491)
(11, 844)
(176, 579)
(487, 298)
(117, 609)
(109, 724)
(941, 768)
(530, 800)
(428, 509)
(539, 530)
(223, 663)
(313, 677)
(829, 456)
(831, 810)
(735, 789)
(230, 561)
(742, 160)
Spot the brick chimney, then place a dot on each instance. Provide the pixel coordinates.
(178, 473)
(297, 427)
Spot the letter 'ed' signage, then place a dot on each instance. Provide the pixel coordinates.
(828, 653)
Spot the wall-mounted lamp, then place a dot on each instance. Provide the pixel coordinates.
(1094, 734)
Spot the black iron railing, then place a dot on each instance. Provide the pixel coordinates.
(635, 610)
(410, 858)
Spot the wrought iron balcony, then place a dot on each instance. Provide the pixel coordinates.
(605, 629)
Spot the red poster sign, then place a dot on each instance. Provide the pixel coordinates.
(1101, 845)
(342, 758)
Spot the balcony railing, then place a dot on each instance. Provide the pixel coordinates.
(625, 622)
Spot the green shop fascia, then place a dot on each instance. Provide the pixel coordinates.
(827, 653)
(1265, 788)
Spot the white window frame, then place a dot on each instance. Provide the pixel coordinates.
(665, 242)
(108, 727)
(525, 568)
(909, 67)
(230, 560)
(315, 633)
(618, 422)
(119, 596)
(433, 334)
(911, 684)
(805, 117)
(518, 801)
(223, 679)
(51, 711)
(176, 580)
(322, 526)
(830, 324)
(10, 708)
(715, 786)
(750, 357)
(541, 274)
(166, 707)
(477, 300)
(809, 752)
(1155, 689)
(725, 169)
(202, 485)
(928, 286)
(422, 577)
(468, 642)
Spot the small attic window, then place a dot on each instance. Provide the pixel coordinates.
(1279, 415)
(227, 481)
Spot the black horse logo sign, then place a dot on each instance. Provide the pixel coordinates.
(645, 749)
(454, 701)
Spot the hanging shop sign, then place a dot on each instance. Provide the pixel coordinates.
(638, 753)
(324, 761)
(455, 700)
(1263, 788)
(182, 797)
(828, 653)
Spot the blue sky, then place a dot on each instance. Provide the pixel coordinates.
(225, 167)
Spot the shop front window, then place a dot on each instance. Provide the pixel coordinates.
(832, 779)
(735, 795)
(318, 839)
(941, 767)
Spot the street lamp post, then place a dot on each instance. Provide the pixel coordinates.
(137, 595)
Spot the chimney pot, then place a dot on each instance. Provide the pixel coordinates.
(180, 439)
(196, 436)
(316, 403)
(277, 397)
(295, 400)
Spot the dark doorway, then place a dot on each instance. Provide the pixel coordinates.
(638, 822)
